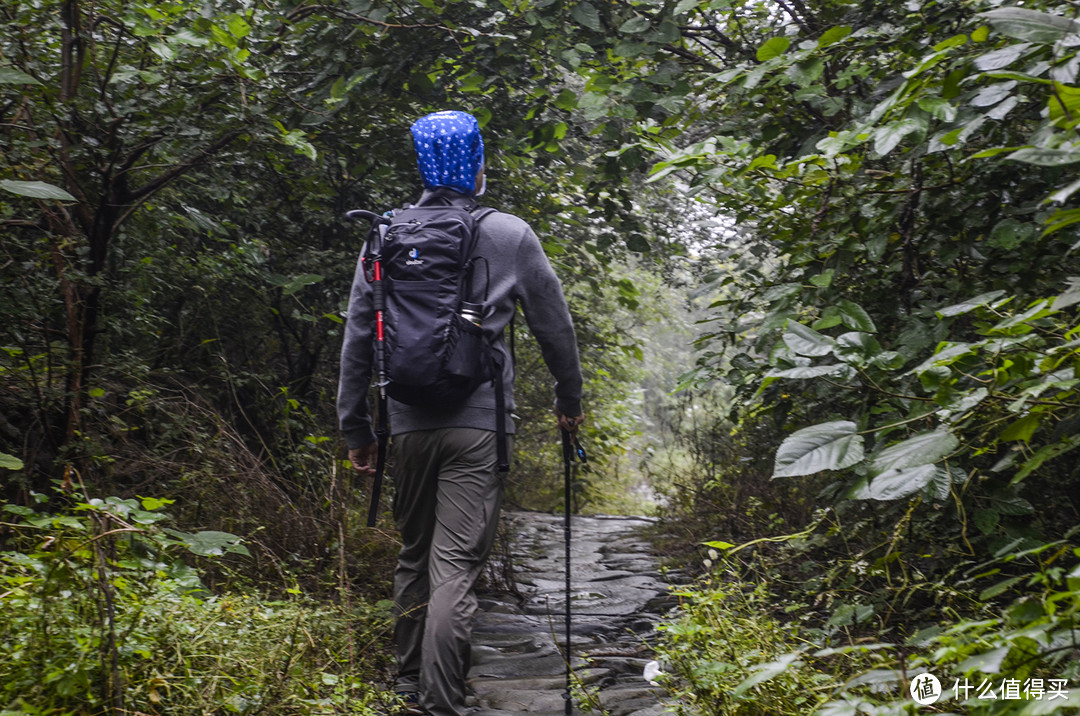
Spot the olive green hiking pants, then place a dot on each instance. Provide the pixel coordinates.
(446, 506)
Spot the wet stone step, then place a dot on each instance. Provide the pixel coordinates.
(617, 596)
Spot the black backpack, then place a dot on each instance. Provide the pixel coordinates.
(430, 348)
(436, 351)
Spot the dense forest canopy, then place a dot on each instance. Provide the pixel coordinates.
(868, 208)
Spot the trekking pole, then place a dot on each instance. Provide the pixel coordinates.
(570, 446)
(373, 254)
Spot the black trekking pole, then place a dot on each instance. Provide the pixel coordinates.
(570, 446)
(373, 257)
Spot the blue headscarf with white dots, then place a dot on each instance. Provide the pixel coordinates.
(449, 150)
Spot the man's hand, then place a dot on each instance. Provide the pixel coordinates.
(363, 459)
(569, 424)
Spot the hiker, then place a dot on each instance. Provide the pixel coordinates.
(448, 484)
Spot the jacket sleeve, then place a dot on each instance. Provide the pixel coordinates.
(542, 300)
(357, 351)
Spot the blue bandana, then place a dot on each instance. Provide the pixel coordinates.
(449, 150)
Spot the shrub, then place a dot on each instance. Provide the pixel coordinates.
(102, 611)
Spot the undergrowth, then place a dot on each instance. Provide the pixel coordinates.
(744, 643)
(102, 611)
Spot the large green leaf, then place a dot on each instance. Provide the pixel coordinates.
(1033, 26)
(35, 190)
(1022, 429)
(1043, 157)
(833, 35)
(635, 25)
(888, 137)
(773, 47)
(586, 14)
(970, 305)
(209, 543)
(896, 484)
(826, 446)
(855, 317)
(10, 462)
(9, 76)
(921, 449)
(806, 341)
(857, 348)
(811, 371)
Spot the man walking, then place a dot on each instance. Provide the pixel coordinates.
(448, 487)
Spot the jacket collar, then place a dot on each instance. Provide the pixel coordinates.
(453, 197)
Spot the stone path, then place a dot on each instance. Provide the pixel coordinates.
(617, 596)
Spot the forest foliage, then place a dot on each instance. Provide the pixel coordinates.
(871, 206)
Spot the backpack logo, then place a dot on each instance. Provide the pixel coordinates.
(414, 258)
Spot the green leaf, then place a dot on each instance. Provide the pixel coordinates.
(1023, 428)
(986, 520)
(10, 462)
(638, 244)
(238, 26)
(1062, 195)
(946, 354)
(810, 371)
(806, 341)
(1060, 220)
(1047, 452)
(987, 662)
(895, 484)
(938, 108)
(1000, 59)
(1047, 707)
(1045, 157)
(1039, 309)
(211, 543)
(155, 503)
(833, 35)
(567, 100)
(940, 485)
(685, 6)
(856, 347)
(1033, 26)
(587, 15)
(917, 450)
(1064, 104)
(773, 47)
(298, 282)
(764, 672)
(970, 305)
(999, 588)
(635, 25)
(826, 446)
(855, 317)
(35, 190)
(718, 544)
(823, 279)
(16, 77)
(888, 137)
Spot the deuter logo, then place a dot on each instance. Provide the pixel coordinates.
(414, 258)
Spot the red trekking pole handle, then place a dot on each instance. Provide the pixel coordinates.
(378, 300)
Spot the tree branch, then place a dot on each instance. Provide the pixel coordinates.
(142, 193)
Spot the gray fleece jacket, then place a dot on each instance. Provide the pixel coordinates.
(520, 274)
